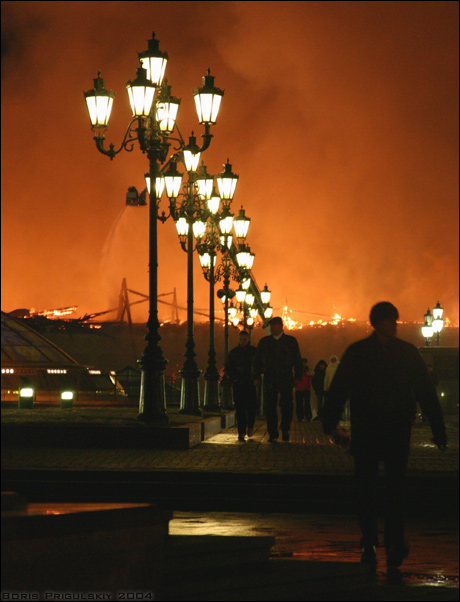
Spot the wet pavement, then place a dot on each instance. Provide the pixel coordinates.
(433, 560)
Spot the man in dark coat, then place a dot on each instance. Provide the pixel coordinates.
(239, 368)
(278, 359)
(384, 378)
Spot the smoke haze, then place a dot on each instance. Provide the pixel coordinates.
(341, 119)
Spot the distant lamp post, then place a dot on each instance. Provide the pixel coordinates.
(438, 322)
(154, 112)
(67, 399)
(427, 328)
(26, 398)
(197, 201)
(218, 237)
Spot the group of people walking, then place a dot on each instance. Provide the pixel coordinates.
(278, 359)
(381, 377)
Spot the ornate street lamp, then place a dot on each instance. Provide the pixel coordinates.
(226, 182)
(241, 225)
(438, 322)
(153, 118)
(265, 295)
(427, 328)
(219, 237)
(190, 224)
(186, 225)
(211, 375)
(207, 101)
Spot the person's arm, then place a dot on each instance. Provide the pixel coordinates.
(230, 366)
(427, 398)
(257, 364)
(298, 364)
(337, 396)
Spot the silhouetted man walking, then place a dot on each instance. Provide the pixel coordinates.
(278, 359)
(239, 368)
(384, 378)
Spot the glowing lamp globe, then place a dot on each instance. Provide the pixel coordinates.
(141, 93)
(240, 295)
(249, 299)
(99, 102)
(437, 311)
(173, 181)
(213, 203)
(167, 109)
(199, 228)
(427, 332)
(204, 183)
(182, 227)
(226, 221)
(159, 185)
(154, 61)
(241, 225)
(265, 295)
(205, 260)
(226, 182)
(191, 155)
(207, 100)
(438, 324)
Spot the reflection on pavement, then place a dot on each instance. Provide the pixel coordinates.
(433, 558)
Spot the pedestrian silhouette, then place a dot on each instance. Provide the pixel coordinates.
(239, 368)
(317, 382)
(330, 372)
(278, 359)
(302, 394)
(384, 378)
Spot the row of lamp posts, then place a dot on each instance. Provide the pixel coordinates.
(433, 324)
(194, 206)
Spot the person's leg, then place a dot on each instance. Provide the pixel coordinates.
(394, 538)
(299, 405)
(287, 408)
(271, 402)
(240, 408)
(366, 470)
(319, 404)
(251, 406)
(308, 414)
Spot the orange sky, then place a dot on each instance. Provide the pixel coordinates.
(341, 119)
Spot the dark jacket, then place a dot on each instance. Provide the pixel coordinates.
(318, 378)
(277, 360)
(239, 364)
(384, 383)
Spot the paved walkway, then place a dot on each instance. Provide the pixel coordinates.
(310, 451)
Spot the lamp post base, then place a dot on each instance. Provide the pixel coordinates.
(226, 393)
(152, 400)
(190, 393)
(211, 395)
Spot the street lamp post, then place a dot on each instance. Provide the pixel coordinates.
(153, 119)
(438, 322)
(218, 237)
(208, 254)
(427, 328)
(433, 324)
(185, 223)
(226, 293)
(211, 376)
